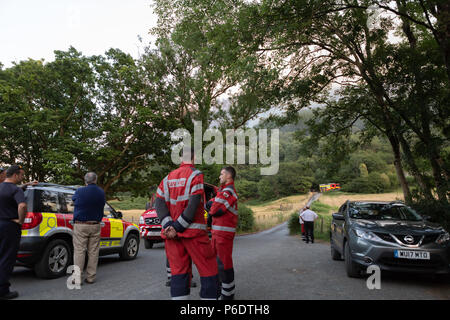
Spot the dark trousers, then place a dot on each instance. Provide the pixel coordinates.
(10, 233)
(226, 277)
(309, 231)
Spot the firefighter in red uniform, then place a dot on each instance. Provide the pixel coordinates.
(180, 207)
(224, 213)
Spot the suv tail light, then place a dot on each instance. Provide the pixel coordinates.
(32, 220)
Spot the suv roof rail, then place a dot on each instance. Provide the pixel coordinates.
(397, 201)
(47, 184)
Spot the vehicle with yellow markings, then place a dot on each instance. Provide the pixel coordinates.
(46, 242)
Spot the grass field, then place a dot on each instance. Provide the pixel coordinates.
(337, 198)
(272, 213)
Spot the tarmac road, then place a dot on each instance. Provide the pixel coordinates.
(268, 265)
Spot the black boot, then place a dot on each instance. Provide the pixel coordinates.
(10, 295)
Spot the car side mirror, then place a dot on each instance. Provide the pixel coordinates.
(338, 216)
(119, 215)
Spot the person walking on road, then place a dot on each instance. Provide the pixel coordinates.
(302, 225)
(13, 209)
(224, 213)
(180, 207)
(308, 216)
(89, 203)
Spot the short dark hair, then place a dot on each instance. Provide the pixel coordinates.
(12, 170)
(231, 171)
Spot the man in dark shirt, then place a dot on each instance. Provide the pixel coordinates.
(89, 204)
(13, 209)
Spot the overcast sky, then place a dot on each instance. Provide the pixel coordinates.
(34, 29)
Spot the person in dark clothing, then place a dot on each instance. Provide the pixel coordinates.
(2, 174)
(13, 209)
(89, 205)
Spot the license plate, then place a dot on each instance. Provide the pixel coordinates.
(415, 255)
(154, 233)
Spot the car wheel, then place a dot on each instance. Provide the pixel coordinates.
(130, 248)
(353, 270)
(56, 258)
(148, 244)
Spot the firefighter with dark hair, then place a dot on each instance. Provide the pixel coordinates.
(224, 212)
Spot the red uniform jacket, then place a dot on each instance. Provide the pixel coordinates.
(175, 190)
(224, 211)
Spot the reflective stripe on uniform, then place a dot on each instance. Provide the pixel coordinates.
(183, 222)
(166, 190)
(181, 298)
(180, 198)
(197, 187)
(165, 220)
(221, 228)
(228, 293)
(226, 204)
(160, 193)
(197, 226)
(188, 184)
(227, 285)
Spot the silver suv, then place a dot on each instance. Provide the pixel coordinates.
(390, 235)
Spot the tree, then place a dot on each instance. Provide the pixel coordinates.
(331, 42)
(79, 114)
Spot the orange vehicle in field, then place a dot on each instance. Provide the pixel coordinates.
(329, 186)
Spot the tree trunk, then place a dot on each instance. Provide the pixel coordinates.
(433, 152)
(399, 168)
(441, 182)
(424, 187)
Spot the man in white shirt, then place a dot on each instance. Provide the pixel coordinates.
(302, 225)
(308, 216)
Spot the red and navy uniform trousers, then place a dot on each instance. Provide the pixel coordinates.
(224, 214)
(193, 244)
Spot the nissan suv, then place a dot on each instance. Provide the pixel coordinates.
(390, 235)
